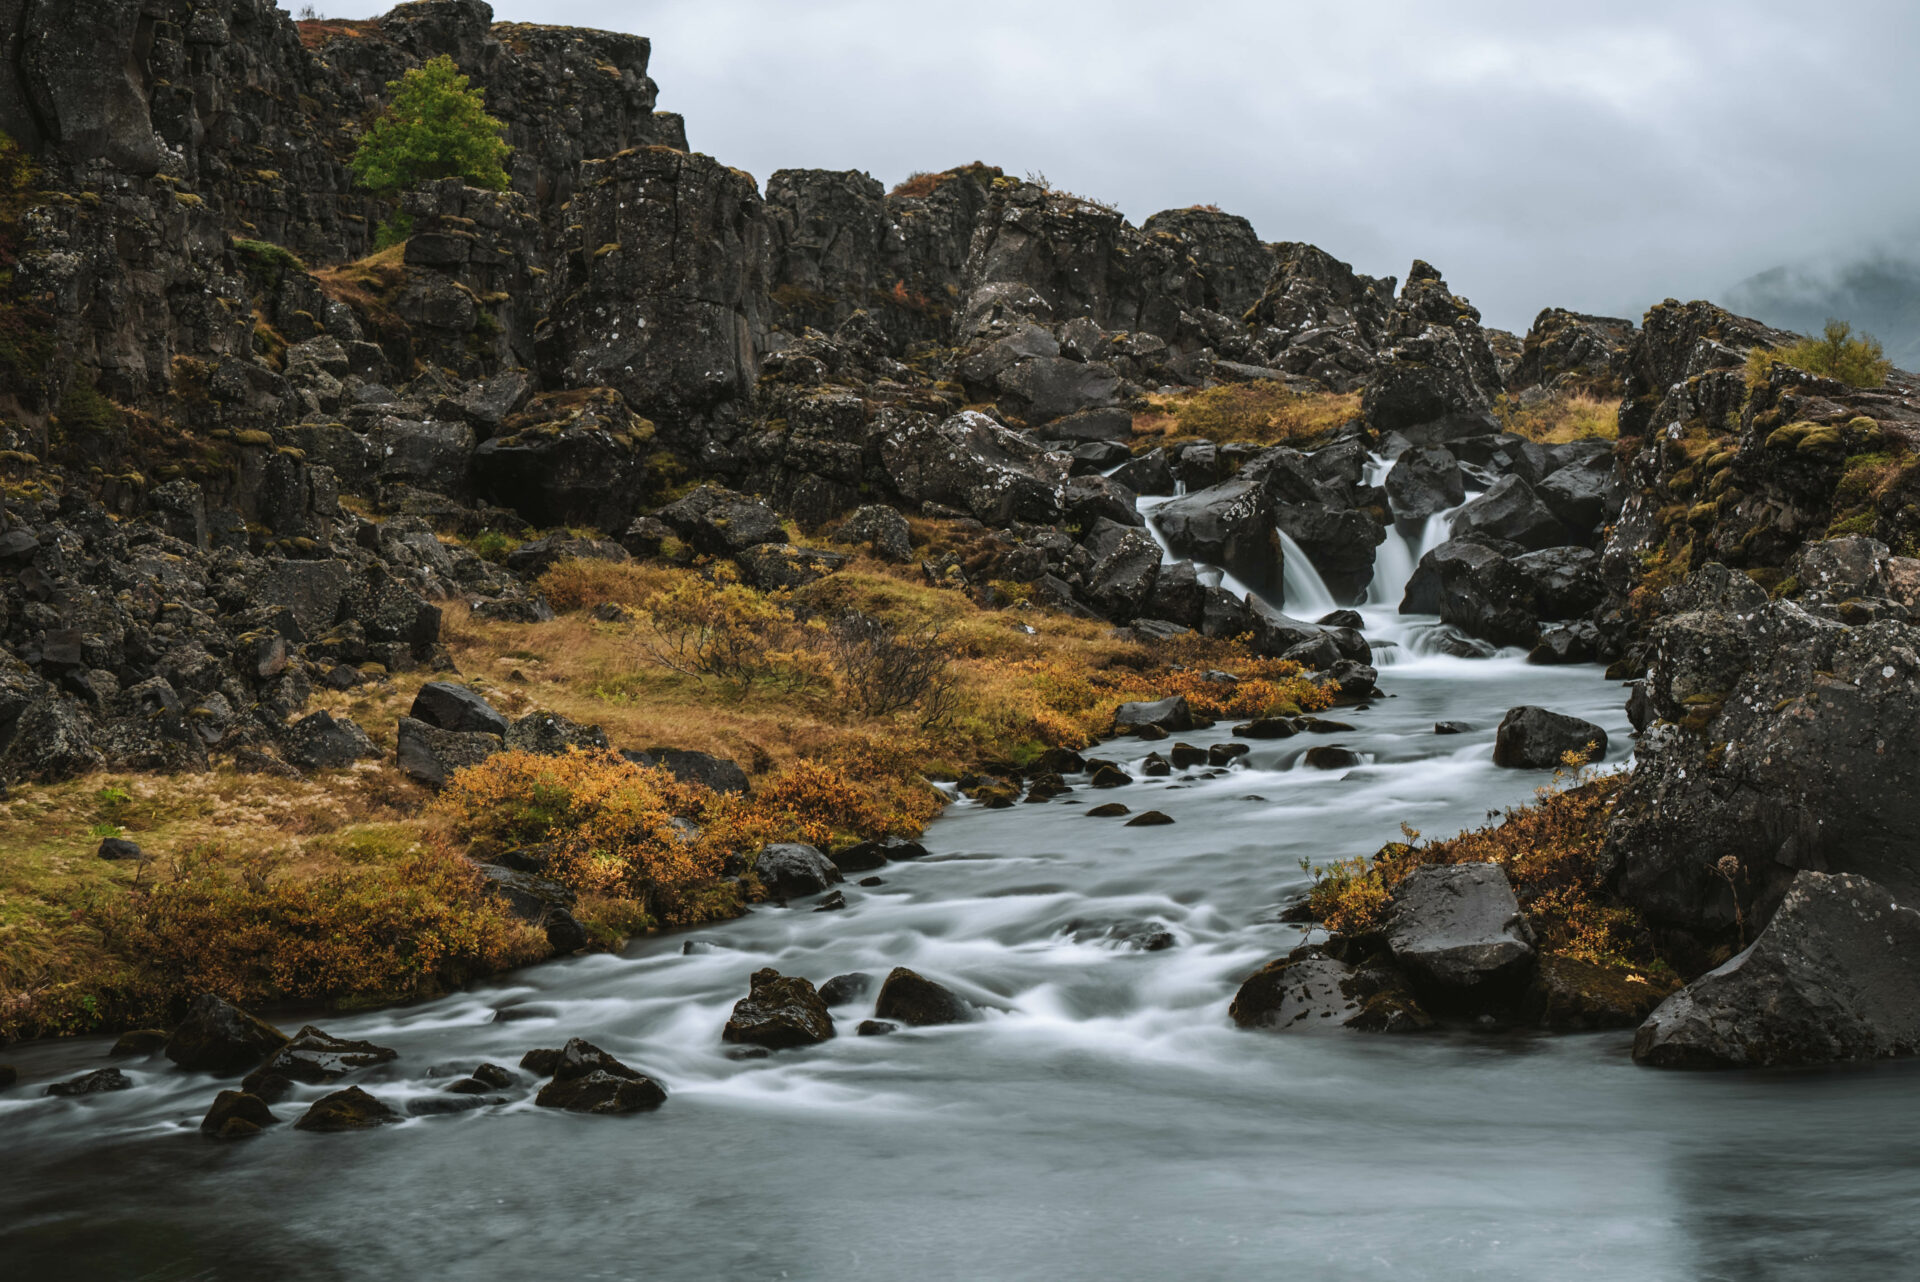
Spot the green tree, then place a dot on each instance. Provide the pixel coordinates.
(1839, 353)
(435, 126)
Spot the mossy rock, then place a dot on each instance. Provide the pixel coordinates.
(1569, 995)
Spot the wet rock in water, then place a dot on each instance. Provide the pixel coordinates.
(1834, 977)
(873, 881)
(236, 1115)
(1320, 725)
(1310, 989)
(94, 1083)
(779, 1012)
(1106, 774)
(914, 999)
(1458, 932)
(832, 903)
(1423, 482)
(446, 706)
(863, 855)
(1511, 512)
(1568, 643)
(441, 1105)
(588, 1080)
(844, 989)
(314, 1056)
(1452, 727)
(529, 1010)
(1267, 728)
(875, 1028)
(1156, 766)
(430, 755)
(1331, 757)
(793, 869)
(492, 1076)
(1531, 738)
(1171, 714)
(1150, 819)
(1108, 810)
(119, 848)
(1221, 754)
(140, 1041)
(349, 1110)
(541, 1063)
(1572, 996)
(1134, 936)
(1185, 756)
(218, 1037)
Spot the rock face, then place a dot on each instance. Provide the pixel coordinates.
(1458, 932)
(1532, 738)
(1835, 976)
(218, 1037)
(913, 999)
(780, 1012)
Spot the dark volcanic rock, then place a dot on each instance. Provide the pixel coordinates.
(236, 1115)
(1230, 525)
(1458, 932)
(1309, 990)
(314, 1056)
(1423, 482)
(552, 734)
(1171, 714)
(218, 1037)
(843, 990)
(914, 999)
(588, 1080)
(349, 1110)
(1532, 738)
(431, 755)
(446, 706)
(322, 741)
(120, 848)
(701, 768)
(721, 522)
(94, 1083)
(779, 1012)
(792, 869)
(1835, 976)
(1511, 512)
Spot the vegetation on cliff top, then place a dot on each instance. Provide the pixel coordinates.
(435, 126)
(1858, 360)
(1258, 413)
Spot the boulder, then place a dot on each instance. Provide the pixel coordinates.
(1458, 932)
(218, 1037)
(722, 522)
(792, 869)
(1149, 473)
(1834, 977)
(1424, 481)
(97, 1082)
(779, 1012)
(588, 1080)
(971, 463)
(120, 848)
(1531, 738)
(446, 706)
(913, 999)
(430, 755)
(864, 856)
(1471, 584)
(140, 1041)
(1512, 513)
(1231, 525)
(1171, 714)
(1122, 582)
(702, 769)
(552, 734)
(236, 1115)
(1309, 990)
(314, 1057)
(1331, 757)
(322, 741)
(1583, 494)
(349, 1110)
(773, 566)
(881, 529)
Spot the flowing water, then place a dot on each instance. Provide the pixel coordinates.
(1102, 1120)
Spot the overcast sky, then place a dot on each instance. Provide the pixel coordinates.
(1600, 157)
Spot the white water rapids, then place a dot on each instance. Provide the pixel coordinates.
(1103, 1120)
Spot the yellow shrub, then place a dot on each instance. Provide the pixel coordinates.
(582, 584)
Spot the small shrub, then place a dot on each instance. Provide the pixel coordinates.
(1562, 418)
(394, 230)
(884, 671)
(1262, 413)
(492, 545)
(1855, 359)
(703, 629)
(435, 126)
(587, 582)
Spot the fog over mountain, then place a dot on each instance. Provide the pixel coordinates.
(1878, 294)
(1595, 158)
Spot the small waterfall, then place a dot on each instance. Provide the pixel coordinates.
(1304, 593)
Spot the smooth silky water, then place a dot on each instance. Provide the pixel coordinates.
(1103, 1119)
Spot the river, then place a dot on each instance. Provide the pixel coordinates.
(1103, 1120)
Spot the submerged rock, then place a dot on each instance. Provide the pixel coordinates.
(1835, 976)
(843, 990)
(94, 1083)
(914, 999)
(1311, 989)
(779, 1012)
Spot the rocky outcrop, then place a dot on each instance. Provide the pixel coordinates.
(1835, 976)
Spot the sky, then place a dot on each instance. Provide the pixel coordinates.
(1600, 157)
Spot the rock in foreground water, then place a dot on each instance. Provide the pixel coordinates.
(236, 1114)
(1835, 976)
(349, 1110)
(792, 869)
(779, 1012)
(1458, 932)
(914, 999)
(1310, 989)
(588, 1080)
(219, 1037)
(1532, 738)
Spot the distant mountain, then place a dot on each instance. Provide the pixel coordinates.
(1880, 295)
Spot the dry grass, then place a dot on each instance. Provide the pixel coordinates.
(1264, 413)
(1576, 416)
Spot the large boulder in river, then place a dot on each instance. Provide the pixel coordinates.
(1230, 525)
(1458, 932)
(1471, 585)
(587, 1079)
(1512, 512)
(1339, 541)
(349, 1110)
(1310, 990)
(219, 1037)
(1531, 738)
(792, 869)
(1835, 976)
(1170, 714)
(314, 1056)
(1424, 481)
(779, 1012)
(914, 999)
